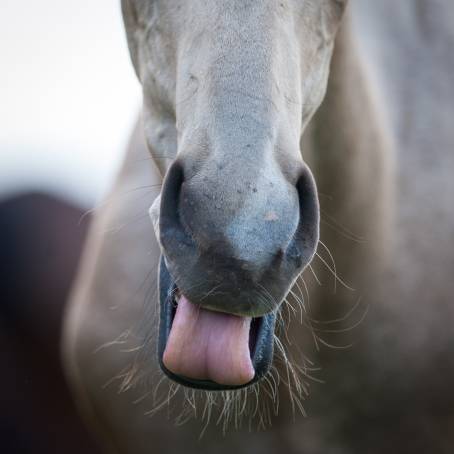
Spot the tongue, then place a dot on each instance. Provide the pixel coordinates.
(206, 345)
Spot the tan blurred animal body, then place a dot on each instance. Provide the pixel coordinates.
(230, 92)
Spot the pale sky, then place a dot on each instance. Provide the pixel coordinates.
(69, 96)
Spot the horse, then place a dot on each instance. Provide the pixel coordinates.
(292, 290)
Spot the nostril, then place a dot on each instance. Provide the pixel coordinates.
(309, 206)
(307, 234)
(169, 219)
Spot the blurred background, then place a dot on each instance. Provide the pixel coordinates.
(69, 99)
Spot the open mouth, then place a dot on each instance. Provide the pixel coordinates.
(208, 350)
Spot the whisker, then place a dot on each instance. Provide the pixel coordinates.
(315, 276)
(341, 319)
(332, 261)
(345, 330)
(339, 228)
(336, 277)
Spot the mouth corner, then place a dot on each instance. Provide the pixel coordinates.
(261, 338)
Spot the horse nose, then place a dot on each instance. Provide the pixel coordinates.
(237, 231)
(248, 220)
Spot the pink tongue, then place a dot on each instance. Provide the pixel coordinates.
(206, 345)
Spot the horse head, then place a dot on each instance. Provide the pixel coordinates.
(228, 88)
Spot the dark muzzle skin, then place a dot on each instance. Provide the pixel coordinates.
(234, 247)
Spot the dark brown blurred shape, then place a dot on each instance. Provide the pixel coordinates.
(40, 243)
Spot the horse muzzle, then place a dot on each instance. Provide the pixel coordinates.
(224, 274)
